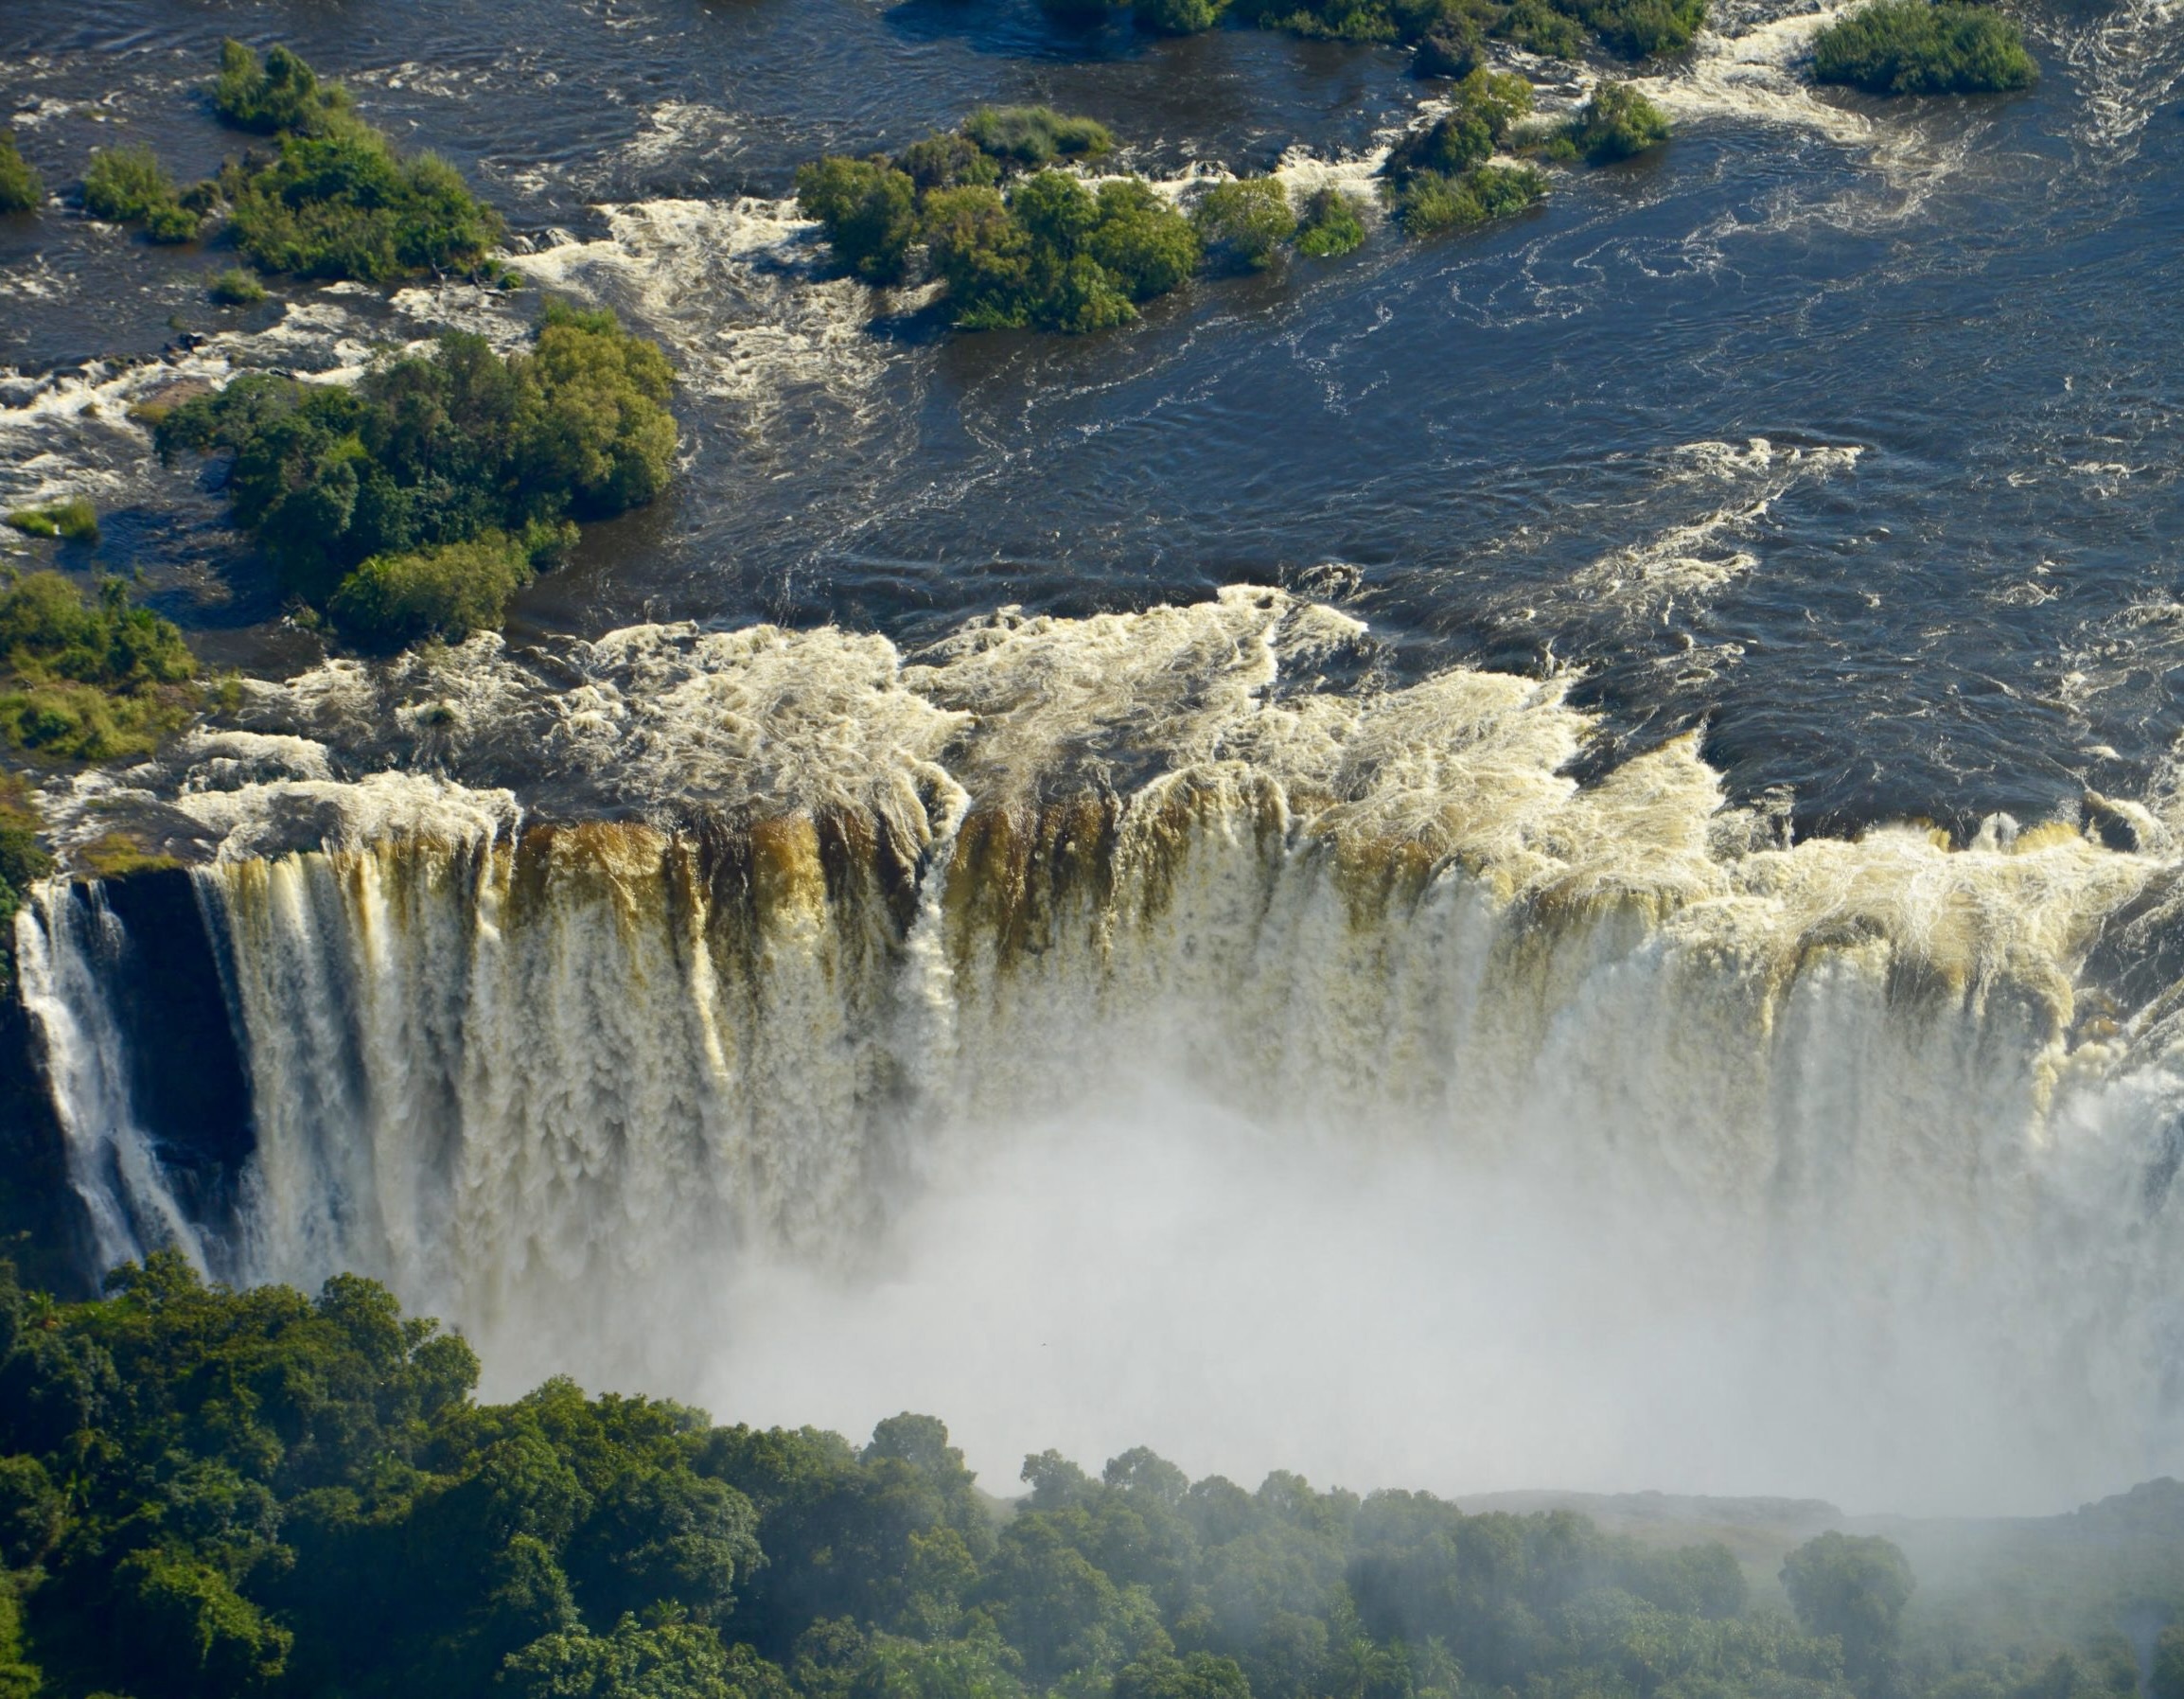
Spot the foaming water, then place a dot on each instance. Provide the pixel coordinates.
(1131, 1002)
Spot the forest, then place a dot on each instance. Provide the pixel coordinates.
(286, 1495)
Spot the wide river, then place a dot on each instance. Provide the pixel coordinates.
(1848, 431)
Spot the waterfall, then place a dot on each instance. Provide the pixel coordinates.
(1327, 1071)
(69, 947)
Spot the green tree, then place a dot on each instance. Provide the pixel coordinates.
(1244, 222)
(869, 210)
(20, 187)
(1854, 1587)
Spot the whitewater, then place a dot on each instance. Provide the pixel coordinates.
(1173, 1027)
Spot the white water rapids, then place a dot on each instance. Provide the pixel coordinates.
(1112, 1031)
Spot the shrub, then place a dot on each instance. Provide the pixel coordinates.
(1178, 17)
(1330, 225)
(88, 682)
(1429, 205)
(1452, 47)
(1485, 107)
(235, 287)
(1616, 123)
(1146, 244)
(75, 519)
(446, 591)
(127, 185)
(947, 161)
(1244, 222)
(20, 190)
(1914, 47)
(1036, 135)
(869, 210)
(282, 95)
(342, 204)
(1538, 27)
(1638, 27)
(460, 447)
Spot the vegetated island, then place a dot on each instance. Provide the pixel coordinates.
(414, 504)
(1015, 239)
(333, 201)
(1923, 47)
(1450, 36)
(20, 187)
(281, 1496)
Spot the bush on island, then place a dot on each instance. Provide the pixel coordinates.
(359, 496)
(1243, 224)
(870, 211)
(1616, 123)
(88, 680)
(1036, 135)
(235, 287)
(20, 187)
(1432, 205)
(1329, 227)
(75, 520)
(281, 96)
(1923, 47)
(127, 185)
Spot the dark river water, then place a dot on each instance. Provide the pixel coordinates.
(1849, 431)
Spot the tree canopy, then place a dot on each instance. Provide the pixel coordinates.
(416, 503)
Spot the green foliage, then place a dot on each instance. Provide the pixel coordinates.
(1329, 226)
(20, 190)
(1439, 178)
(1432, 205)
(127, 185)
(1178, 17)
(87, 681)
(282, 95)
(292, 1498)
(415, 503)
(947, 161)
(1033, 136)
(1243, 222)
(341, 203)
(446, 591)
(1854, 1588)
(76, 519)
(235, 287)
(1447, 34)
(1616, 123)
(1637, 28)
(869, 212)
(1143, 243)
(1483, 110)
(1923, 47)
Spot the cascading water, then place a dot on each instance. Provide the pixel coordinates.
(69, 948)
(1150, 1030)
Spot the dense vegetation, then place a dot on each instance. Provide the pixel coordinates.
(415, 503)
(128, 185)
(334, 199)
(1923, 47)
(1016, 244)
(88, 680)
(1616, 123)
(207, 1494)
(1439, 178)
(20, 190)
(1447, 34)
(76, 519)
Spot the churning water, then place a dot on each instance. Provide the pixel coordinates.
(1451, 1006)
